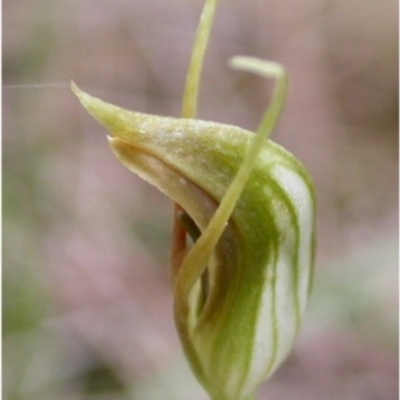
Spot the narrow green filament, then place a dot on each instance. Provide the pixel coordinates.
(191, 94)
(197, 258)
(267, 69)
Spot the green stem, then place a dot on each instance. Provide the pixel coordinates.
(197, 258)
(191, 93)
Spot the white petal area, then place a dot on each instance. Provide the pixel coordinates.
(302, 199)
(285, 300)
(263, 347)
(277, 320)
(283, 303)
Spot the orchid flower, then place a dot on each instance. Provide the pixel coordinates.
(244, 226)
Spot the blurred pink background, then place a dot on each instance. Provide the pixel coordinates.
(87, 295)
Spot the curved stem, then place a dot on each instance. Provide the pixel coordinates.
(268, 69)
(197, 258)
